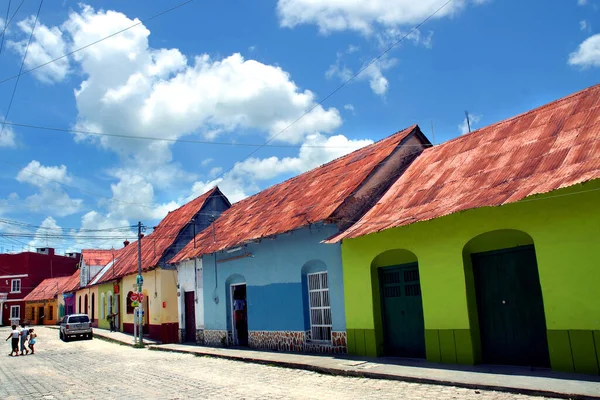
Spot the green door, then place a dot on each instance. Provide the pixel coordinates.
(404, 332)
(512, 323)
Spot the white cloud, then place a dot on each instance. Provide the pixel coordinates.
(47, 45)
(362, 16)
(109, 231)
(207, 161)
(245, 176)
(583, 25)
(38, 175)
(215, 171)
(45, 234)
(582, 2)
(7, 139)
(349, 107)
(587, 54)
(50, 196)
(373, 73)
(474, 119)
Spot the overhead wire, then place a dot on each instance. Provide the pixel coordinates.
(143, 21)
(12, 97)
(5, 24)
(8, 21)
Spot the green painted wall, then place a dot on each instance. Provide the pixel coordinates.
(565, 228)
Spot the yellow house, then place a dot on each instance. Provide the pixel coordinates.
(42, 305)
(159, 303)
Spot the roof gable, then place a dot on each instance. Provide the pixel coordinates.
(97, 256)
(313, 196)
(548, 148)
(157, 242)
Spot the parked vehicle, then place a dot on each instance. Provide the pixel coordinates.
(75, 325)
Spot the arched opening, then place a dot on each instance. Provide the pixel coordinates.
(506, 308)
(79, 306)
(93, 307)
(237, 309)
(398, 307)
(129, 305)
(85, 304)
(102, 306)
(316, 301)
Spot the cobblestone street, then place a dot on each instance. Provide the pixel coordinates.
(98, 369)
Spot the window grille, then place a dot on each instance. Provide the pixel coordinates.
(320, 309)
(15, 286)
(15, 312)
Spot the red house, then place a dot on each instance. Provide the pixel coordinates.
(21, 273)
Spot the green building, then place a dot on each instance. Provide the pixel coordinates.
(487, 248)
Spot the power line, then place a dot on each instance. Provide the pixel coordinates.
(12, 97)
(98, 41)
(154, 138)
(5, 24)
(346, 82)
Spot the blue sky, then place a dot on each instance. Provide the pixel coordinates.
(239, 72)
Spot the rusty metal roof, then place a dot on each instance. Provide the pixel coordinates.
(49, 288)
(548, 148)
(157, 242)
(97, 256)
(307, 198)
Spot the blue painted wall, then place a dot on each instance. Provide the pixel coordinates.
(276, 292)
(213, 207)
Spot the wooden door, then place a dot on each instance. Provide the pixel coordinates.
(512, 323)
(190, 317)
(403, 324)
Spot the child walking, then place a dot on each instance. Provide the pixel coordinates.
(15, 341)
(32, 340)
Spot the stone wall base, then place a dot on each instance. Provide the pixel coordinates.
(215, 338)
(296, 341)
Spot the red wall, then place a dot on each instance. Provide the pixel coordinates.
(38, 267)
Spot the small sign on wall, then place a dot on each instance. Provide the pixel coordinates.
(164, 304)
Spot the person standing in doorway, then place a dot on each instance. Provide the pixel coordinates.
(239, 316)
(111, 321)
(24, 334)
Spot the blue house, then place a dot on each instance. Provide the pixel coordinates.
(268, 280)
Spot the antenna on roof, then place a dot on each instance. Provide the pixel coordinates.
(432, 134)
(468, 122)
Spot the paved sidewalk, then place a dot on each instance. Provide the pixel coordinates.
(120, 337)
(507, 379)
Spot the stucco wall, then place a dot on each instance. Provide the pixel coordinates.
(159, 286)
(275, 289)
(187, 280)
(32, 312)
(565, 227)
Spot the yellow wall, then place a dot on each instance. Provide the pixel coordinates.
(32, 312)
(159, 286)
(81, 293)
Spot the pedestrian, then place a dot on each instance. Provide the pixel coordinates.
(15, 341)
(24, 335)
(111, 321)
(32, 340)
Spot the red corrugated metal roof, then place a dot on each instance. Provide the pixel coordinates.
(155, 244)
(307, 198)
(97, 256)
(548, 148)
(48, 289)
(72, 283)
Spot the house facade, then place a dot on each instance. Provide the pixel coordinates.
(484, 250)
(118, 279)
(260, 271)
(23, 272)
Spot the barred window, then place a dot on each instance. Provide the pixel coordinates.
(320, 310)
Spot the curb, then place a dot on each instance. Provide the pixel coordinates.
(382, 376)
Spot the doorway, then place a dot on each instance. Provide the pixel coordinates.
(510, 307)
(239, 314)
(190, 317)
(40, 315)
(402, 311)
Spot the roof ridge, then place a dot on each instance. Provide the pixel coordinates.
(192, 200)
(292, 178)
(536, 109)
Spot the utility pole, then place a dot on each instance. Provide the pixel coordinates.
(140, 283)
(468, 122)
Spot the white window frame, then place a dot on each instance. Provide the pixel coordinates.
(15, 308)
(12, 285)
(319, 306)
